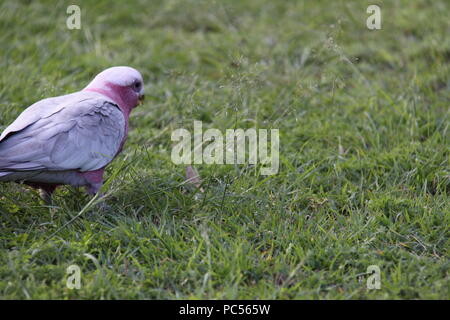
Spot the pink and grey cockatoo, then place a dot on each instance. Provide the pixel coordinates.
(70, 139)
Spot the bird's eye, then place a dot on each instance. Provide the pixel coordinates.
(137, 85)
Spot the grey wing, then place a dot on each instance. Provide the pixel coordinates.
(36, 111)
(83, 135)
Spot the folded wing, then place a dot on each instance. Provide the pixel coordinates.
(80, 132)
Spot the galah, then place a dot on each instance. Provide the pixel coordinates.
(70, 139)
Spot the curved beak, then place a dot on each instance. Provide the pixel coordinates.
(141, 99)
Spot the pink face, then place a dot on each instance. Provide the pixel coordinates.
(123, 85)
(128, 96)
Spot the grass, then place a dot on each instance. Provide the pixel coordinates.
(364, 146)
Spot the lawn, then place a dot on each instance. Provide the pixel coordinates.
(364, 176)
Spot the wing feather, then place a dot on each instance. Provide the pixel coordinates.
(79, 134)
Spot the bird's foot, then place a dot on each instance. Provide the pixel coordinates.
(103, 206)
(46, 196)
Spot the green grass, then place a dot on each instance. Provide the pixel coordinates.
(364, 129)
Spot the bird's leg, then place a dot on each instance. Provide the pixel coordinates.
(46, 195)
(94, 190)
(46, 191)
(95, 182)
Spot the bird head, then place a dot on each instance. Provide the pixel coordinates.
(124, 85)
